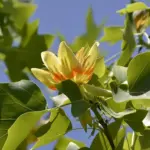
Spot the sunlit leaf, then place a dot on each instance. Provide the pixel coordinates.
(139, 73)
(59, 126)
(146, 120)
(60, 100)
(22, 128)
(100, 141)
(120, 73)
(112, 34)
(64, 141)
(133, 7)
(100, 67)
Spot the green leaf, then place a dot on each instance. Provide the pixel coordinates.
(60, 100)
(138, 74)
(117, 133)
(135, 120)
(119, 114)
(60, 125)
(101, 142)
(139, 102)
(21, 13)
(128, 44)
(133, 7)
(117, 107)
(22, 128)
(93, 31)
(144, 140)
(112, 34)
(16, 99)
(100, 67)
(72, 91)
(23, 55)
(95, 91)
(86, 119)
(63, 143)
(127, 141)
(146, 120)
(120, 73)
(114, 127)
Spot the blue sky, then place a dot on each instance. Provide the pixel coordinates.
(68, 17)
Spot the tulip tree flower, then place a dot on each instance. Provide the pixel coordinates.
(78, 68)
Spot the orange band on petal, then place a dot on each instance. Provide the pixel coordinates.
(59, 77)
(52, 88)
(89, 71)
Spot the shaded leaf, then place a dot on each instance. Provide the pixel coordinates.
(72, 91)
(128, 44)
(16, 99)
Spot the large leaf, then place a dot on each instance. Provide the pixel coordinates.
(72, 91)
(63, 143)
(21, 128)
(59, 125)
(112, 34)
(135, 120)
(16, 99)
(139, 73)
(133, 7)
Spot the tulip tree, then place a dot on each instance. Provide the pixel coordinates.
(111, 98)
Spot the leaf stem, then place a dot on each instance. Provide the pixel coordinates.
(104, 125)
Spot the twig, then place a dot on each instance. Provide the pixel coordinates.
(104, 125)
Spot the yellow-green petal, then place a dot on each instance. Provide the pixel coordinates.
(69, 62)
(43, 76)
(51, 61)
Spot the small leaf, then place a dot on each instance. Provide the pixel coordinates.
(100, 67)
(60, 100)
(72, 146)
(133, 7)
(128, 44)
(146, 120)
(101, 142)
(63, 142)
(86, 119)
(120, 73)
(112, 34)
